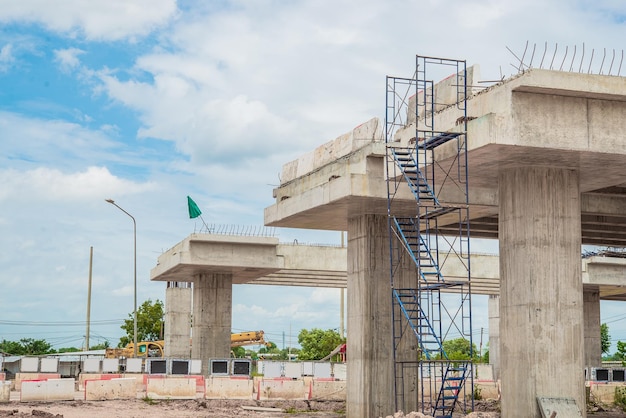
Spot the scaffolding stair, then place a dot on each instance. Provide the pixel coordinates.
(428, 268)
(422, 327)
(451, 385)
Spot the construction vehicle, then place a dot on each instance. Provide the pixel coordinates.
(156, 348)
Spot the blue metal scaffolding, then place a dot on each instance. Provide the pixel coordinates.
(429, 309)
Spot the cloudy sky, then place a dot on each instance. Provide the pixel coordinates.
(148, 101)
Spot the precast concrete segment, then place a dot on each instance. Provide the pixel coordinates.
(370, 351)
(593, 342)
(212, 318)
(177, 321)
(541, 302)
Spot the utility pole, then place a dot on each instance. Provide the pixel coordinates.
(89, 299)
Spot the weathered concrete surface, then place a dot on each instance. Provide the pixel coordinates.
(541, 315)
(370, 351)
(84, 377)
(177, 320)
(331, 390)
(20, 377)
(593, 341)
(5, 391)
(281, 389)
(118, 388)
(605, 392)
(212, 307)
(47, 390)
(229, 388)
(171, 388)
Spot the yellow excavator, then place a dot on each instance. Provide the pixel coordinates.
(155, 348)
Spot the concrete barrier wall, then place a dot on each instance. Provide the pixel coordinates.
(282, 389)
(118, 388)
(20, 377)
(171, 388)
(328, 390)
(47, 390)
(603, 392)
(229, 387)
(84, 377)
(5, 391)
(487, 389)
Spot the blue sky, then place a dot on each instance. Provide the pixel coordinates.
(148, 101)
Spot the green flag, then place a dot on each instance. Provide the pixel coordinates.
(194, 210)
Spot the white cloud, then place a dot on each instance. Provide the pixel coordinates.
(93, 19)
(68, 58)
(6, 57)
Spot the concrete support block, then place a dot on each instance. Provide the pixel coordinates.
(282, 389)
(5, 391)
(327, 390)
(229, 388)
(171, 388)
(47, 390)
(118, 388)
(21, 377)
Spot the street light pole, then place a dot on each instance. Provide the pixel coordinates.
(111, 201)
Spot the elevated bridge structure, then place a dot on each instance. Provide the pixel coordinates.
(547, 173)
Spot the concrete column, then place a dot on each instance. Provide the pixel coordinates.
(212, 317)
(493, 307)
(541, 304)
(177, 320)
(593, 342)
(370, 392)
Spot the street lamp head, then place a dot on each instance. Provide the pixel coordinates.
(109, 200)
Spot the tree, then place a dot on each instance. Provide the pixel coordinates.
(459, 349)
(317, 344)
(149, 323)
(26, 347)
(621, 351)
(605, 338)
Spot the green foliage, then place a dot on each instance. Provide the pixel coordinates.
(605, 338)
(26, 346)
(238, 352)
(459, 349)
(486, 357)
(317, 344)
(68, 350)
(101, 346)
(149, 323)
(621, 351)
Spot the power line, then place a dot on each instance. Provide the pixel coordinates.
(61, 323)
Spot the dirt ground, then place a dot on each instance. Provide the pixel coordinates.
(140, 408)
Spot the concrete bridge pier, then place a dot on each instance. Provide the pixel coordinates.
(177, 320)
(541, 296)
(370, 392)
(593, 343)
(493, 307)
(212, 317)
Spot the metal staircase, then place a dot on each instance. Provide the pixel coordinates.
(432, 308)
